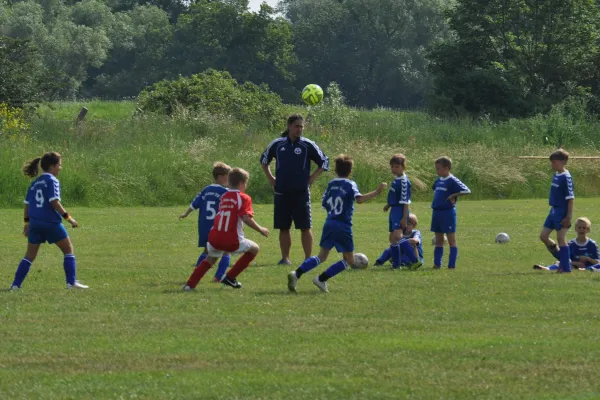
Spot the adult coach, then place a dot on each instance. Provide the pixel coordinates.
(293, 154)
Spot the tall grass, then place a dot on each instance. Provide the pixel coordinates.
(117, 159)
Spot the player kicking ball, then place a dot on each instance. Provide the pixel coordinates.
(227, 233)
(338, 200)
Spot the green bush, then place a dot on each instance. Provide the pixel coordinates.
(216, 93)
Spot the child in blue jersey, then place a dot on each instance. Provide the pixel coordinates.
(338, 200)
(582, 250)
(42, 216)
(413, 237)
(446, 190)
(207, 202)
(398, 201)
(561, 199)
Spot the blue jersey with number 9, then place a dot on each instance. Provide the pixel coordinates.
(44, 189)
(339, 198)
(207, 203)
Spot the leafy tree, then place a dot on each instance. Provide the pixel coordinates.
(19, 71)
(515, 57)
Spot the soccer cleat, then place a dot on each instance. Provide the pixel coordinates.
(15, 287)
(320, 285)
(437, 267)
(378, 263)
(292, 281)
(537, 266)
(283, 261)
(231, 282)
(415, 266)
(77, 285)
(595, 269)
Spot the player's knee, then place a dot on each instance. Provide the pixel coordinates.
(254, 249)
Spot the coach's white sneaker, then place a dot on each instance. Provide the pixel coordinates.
(292, 281)
(320, 285)
(15, 287)
(77, 285)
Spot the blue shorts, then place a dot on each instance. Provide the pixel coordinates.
(337, 234)
(203, 237)
(41, 232)
(554, 218)
(290, 207)
(443, 221)
(396, 215)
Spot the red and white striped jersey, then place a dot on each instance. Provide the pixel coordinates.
(228, 228)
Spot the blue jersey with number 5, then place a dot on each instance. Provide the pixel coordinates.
(207, 203)
(42, 191)
(339, 198)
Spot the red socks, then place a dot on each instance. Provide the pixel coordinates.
(240, 265)
(199, 272)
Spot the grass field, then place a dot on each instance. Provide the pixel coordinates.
(494, 328)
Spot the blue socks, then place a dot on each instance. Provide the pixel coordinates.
(201, 258)
(565, 259)
(223, 265)
(453, 257)
(69, 266)
(385, 256)
(333, 270)
(438, 253)
(396, 255)
(308, 264)
(22, 271)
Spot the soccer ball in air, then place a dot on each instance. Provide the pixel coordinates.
(502, 238)
(360, 261)
(312, 94)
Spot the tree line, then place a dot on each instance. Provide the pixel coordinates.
(504, 58)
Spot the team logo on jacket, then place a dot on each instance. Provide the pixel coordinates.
(298, 150)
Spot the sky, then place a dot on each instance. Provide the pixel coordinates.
(255, 4)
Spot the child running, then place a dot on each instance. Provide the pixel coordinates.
(43, 212)
(338, 200)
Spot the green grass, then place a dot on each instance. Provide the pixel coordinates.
(494, 328)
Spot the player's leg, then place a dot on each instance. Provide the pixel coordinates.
(395, 250)
(250, 250)
(301, 215)
(311, 263)
(59, 236)
(453, 249)
(548, 227)
(25, 265)
(307, 241)
(436, 228)
(203, 267)
(282, 219)
(202, 257)
(222, 268)
(386, 255)
(563, 253)
(334, 269)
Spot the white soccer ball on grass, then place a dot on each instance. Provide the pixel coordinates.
(360, 261)
(502, 238)
(445, 240)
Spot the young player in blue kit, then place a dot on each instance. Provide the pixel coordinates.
(414, 238)
(207, 202)
(43, 211)
(397, 203)
(561, 199)
(582, 250)
(338, 200)
(446, 190)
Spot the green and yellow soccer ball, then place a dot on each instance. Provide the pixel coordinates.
(312, 94)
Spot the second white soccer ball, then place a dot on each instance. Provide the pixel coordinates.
(360, 261)
(502, 238)
(445, 240)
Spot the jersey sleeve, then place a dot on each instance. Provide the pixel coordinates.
(459, 187)
(418, 236)
(595, 252)
(317, 156)
(405, 192)
(573, 250)
(269, 153)
(246, 208)
(569, 190)
(354, 188)
(53, 190)
(324, 199)
(197, 202)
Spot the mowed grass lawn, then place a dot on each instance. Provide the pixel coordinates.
(493, 328)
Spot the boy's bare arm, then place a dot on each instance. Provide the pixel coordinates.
(185, 214)
(248, 220)
(371, 195)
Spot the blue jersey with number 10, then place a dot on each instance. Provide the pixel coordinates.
(42, 191)
(207, 203)
(339, 198)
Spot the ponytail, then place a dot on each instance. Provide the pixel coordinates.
(285, 133)
(31, 168)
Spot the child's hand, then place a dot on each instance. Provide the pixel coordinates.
(264, 231)
(182, 216)
(566, 222)
(386, 208)
(381, 187)
(403, 224)
(452, 199)
(73, 223)
(26, 230)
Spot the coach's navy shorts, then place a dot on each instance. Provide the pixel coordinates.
(443, 221)
(396, 215)
(554, 218)
(337, 234)
(41, 232)
(290, 207)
